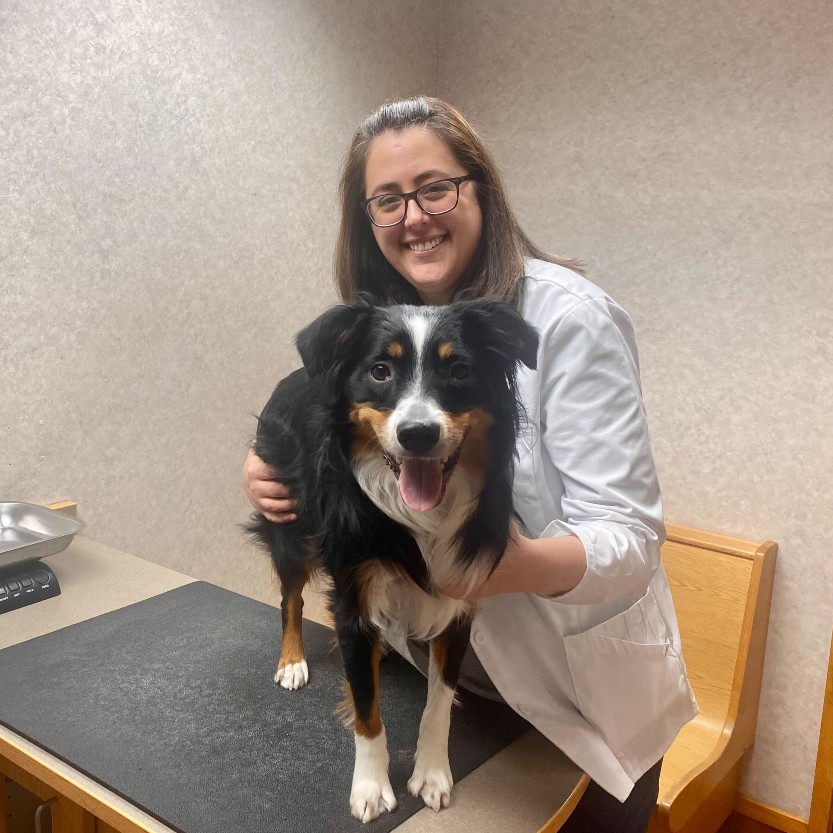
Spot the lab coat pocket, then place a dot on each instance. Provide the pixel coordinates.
(629, 682)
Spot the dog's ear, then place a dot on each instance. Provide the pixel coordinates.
(327, 344)
(502, 330)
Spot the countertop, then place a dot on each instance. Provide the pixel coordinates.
(519, 789)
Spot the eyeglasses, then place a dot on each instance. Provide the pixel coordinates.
(433, 198)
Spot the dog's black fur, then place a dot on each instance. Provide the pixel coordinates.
(333, 419)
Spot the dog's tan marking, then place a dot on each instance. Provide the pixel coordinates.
(474, 425)
(439, 651)
(292, 606)
(370, 426)
(395, 350)
(363, 577)
(446, 350)
(440, 647)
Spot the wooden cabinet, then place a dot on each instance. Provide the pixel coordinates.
(23, 794)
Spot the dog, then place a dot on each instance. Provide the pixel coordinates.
(397, 439)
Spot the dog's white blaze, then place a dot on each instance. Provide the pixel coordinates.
(415, 406)
(371, 791)
(420, 323)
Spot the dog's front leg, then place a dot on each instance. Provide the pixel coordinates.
(432, 774)
(360, 649)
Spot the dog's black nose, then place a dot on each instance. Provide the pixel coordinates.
(418, 437)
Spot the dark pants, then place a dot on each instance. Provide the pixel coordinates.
(599, 812)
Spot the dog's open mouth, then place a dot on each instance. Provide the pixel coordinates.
(422, 480)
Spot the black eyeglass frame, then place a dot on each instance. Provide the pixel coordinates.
(414, 195)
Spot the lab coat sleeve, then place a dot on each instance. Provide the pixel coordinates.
(595, 434)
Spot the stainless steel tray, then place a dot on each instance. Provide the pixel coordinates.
(31, 531)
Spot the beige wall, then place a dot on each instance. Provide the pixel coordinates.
(167, 220)
(682, 151)
(168, 194)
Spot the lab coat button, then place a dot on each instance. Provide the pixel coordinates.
(479, 637)
(522, 709)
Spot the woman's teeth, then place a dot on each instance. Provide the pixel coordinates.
(426, 245)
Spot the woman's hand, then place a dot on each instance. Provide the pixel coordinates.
(547, 566)
(271, 498)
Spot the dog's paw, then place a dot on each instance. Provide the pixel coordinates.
(433, 784)
(369, 798)
(293, 675)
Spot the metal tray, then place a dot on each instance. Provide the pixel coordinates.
(31, 531)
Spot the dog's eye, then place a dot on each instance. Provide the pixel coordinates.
(380, 372)
(460, 371)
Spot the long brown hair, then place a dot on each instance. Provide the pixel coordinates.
(497, 268)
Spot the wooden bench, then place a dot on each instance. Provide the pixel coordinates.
(722, 589)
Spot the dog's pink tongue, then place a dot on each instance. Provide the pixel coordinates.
(421, 483)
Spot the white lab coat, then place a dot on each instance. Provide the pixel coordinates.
(598, 670)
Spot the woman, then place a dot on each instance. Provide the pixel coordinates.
(576, 628)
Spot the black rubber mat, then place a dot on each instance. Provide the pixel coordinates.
(171, 704)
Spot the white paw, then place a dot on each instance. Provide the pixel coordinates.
(293, 675)
(433, 784)
(371, 791)
(369, 797)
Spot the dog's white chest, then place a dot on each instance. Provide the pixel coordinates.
(393, 599)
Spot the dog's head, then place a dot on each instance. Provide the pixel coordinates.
(423, 384)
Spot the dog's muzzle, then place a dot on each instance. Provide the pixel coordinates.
(422, 480)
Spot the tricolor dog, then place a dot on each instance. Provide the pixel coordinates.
(397, 439)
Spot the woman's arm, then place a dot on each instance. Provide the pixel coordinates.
(270, 497)
(595, 435)
(547, 566)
